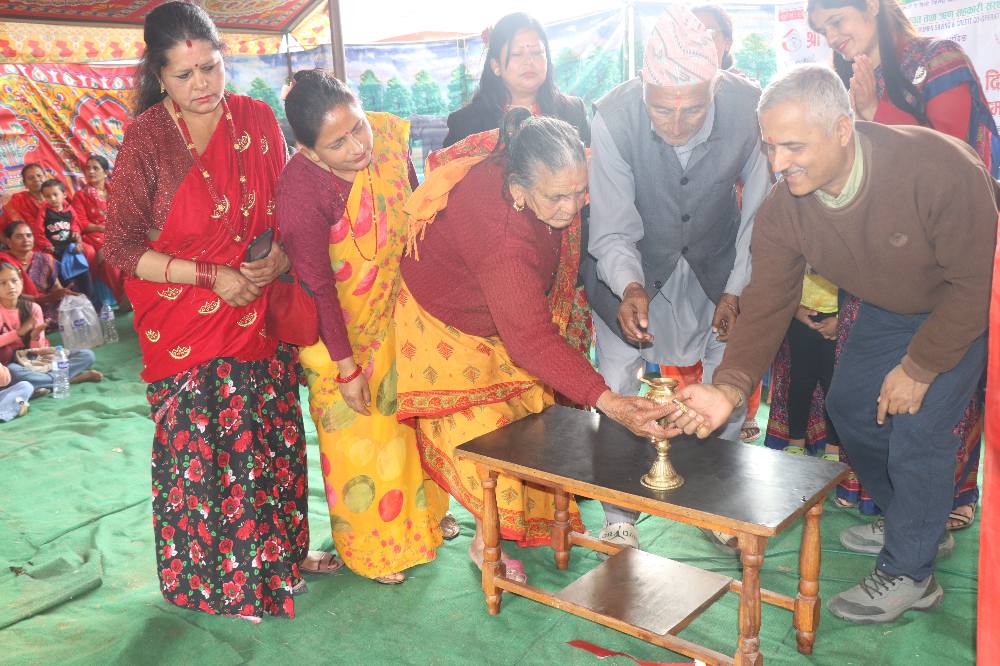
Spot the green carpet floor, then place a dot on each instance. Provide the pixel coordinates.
(78, 585)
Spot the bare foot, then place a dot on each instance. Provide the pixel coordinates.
(87, 376)
(391, 579)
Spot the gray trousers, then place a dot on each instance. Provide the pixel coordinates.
(908, 464)
(619, 363)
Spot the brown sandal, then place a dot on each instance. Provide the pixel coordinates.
(326, 564)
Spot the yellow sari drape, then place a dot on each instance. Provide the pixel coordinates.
(455, 386)
(384, 512)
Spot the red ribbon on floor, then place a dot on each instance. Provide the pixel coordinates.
(602, 653)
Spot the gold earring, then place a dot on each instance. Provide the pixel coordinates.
(518, 206)
(162, 89)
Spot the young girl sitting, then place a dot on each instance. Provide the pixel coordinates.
(22, 327)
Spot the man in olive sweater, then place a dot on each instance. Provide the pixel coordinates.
(904, 218)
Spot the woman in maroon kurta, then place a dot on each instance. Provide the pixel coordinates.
(478, 345)
(196, 175)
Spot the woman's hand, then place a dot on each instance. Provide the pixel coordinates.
(264, 271)
(828, 328)
(356, 392)
(864, 90)
(637, 414)
(235, 289)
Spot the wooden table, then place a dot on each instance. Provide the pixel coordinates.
(750, 491)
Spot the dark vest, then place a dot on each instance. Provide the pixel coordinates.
(688, 212)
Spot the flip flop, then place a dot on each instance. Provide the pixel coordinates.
(301, 588)
(328, 564)
(962, 519)
(449, 527)
(513, 570)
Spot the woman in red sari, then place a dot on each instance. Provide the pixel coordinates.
(196, 175)
(26, 204)
(897, 77)
(90, 208)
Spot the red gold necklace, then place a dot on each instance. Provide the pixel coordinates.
(221, 202)
(347, 214)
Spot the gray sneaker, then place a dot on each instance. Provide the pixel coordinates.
(869, 538)
(882, 598)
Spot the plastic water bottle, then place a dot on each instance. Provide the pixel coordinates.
(60, 374)
(108, 324)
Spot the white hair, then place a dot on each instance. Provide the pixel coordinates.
(816, 87)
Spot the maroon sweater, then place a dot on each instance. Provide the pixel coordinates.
(486, 269)
(308, 204)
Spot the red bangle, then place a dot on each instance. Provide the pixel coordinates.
(166, 270)
(349, 378)
(205, 274)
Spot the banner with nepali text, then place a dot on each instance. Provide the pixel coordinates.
(57, 115)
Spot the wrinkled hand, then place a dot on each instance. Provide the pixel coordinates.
(726, 313)
(828, 327)
(637, 414)
(633, 314)
(863, 88)
(357, 394)
(232, 287)
(264, 271)
(708, 407)
(900, 394)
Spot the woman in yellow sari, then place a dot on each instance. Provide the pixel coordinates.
(339, 209)
(484, 320)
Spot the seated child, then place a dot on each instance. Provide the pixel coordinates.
(14, 396)
(22, 327)
(63, 233)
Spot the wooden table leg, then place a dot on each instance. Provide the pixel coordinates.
(806, 618)
(752, 556)
(560, 530)
(492, 567)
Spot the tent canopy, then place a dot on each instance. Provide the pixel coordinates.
(243, 15)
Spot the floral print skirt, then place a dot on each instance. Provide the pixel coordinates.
(229, 486)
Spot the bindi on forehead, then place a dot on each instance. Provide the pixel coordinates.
(190, 45)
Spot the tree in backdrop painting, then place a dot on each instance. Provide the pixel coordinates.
(397, 99)
(756, 58)
(259, 89)
(426, 93)
(461, 87)
(371, 91)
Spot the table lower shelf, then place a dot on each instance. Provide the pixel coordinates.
(646, 591)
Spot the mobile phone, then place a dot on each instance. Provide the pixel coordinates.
(260, 247)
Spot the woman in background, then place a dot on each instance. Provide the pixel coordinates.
(518, 72)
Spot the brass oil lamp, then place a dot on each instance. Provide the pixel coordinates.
(662, 475)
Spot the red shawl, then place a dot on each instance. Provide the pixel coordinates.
(182, 326)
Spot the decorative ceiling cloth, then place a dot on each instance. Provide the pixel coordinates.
(264, 15)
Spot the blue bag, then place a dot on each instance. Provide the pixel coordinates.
(72, 263)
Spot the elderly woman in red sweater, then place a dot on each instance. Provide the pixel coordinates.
(481, 326)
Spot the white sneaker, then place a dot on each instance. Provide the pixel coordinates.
(619, 534)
